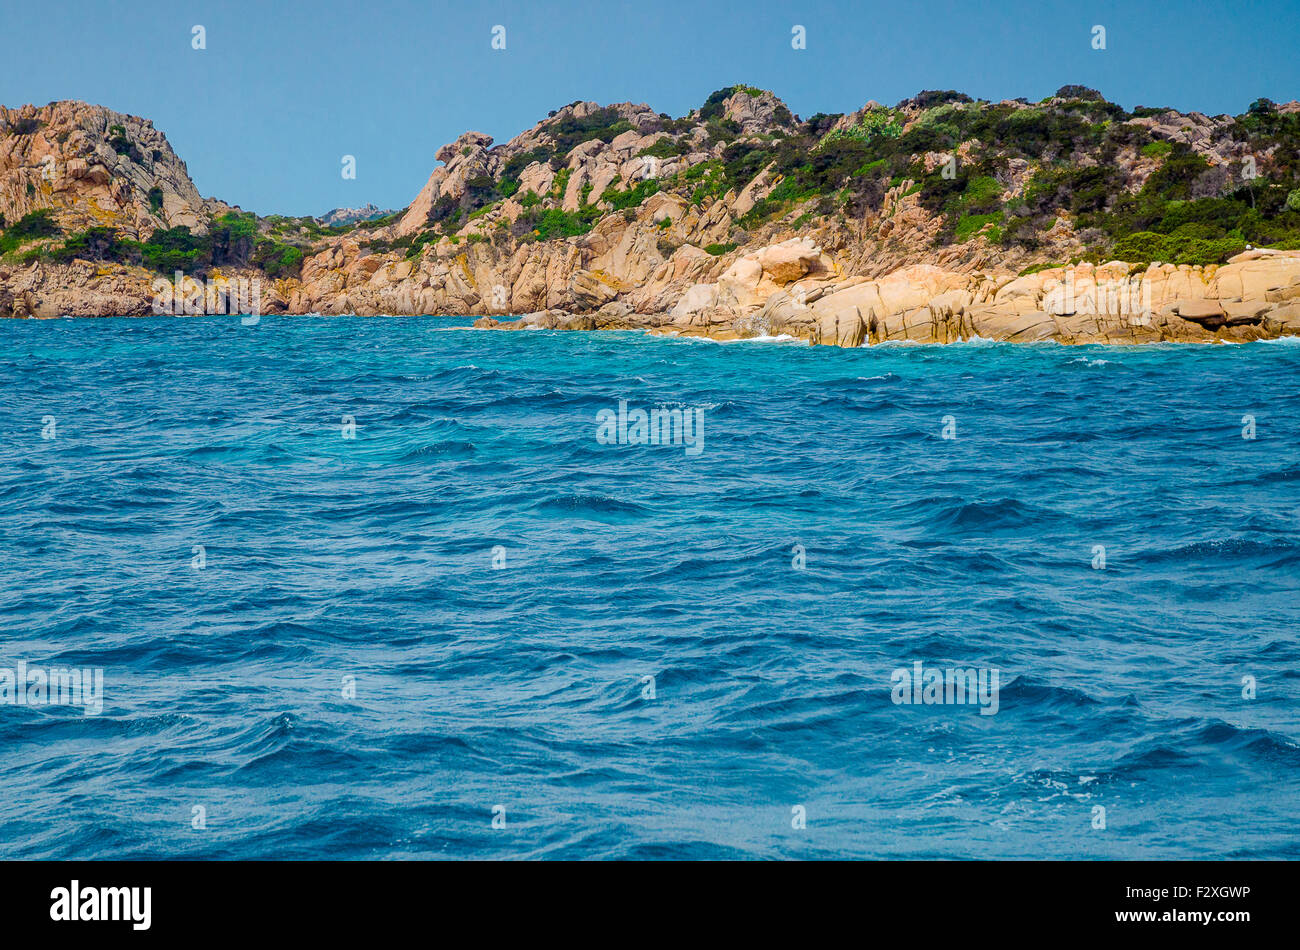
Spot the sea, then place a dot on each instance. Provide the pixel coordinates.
(396, 588)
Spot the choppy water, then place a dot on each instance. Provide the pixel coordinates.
(372, 558)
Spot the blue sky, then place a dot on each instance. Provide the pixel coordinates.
(284, 89)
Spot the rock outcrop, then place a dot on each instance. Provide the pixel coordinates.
(786, 290)
(94, 167)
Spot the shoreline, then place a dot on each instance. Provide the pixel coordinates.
(975, 341)
(791, 289)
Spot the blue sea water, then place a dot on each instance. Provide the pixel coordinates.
(333, 566)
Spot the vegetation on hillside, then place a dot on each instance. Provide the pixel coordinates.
(234, 240)
(1014, 174)
(1023, 169)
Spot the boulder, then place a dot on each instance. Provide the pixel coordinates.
(590, 291)
(1207, 313)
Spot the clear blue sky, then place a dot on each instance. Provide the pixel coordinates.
(284, 89)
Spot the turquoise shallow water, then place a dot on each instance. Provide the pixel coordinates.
(335, 565)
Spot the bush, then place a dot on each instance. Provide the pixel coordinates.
(30, 227)
(278, 260)
(720, 131)
(717, 250)
(971, 224)
(1079, 92)
(518, 163)
(618, 200)
(123, 145)
(874, 124)
(538, 225)
(1035, 268)
(232, 239)
(174, 249)
(97, 244)
(930, 98)
(419, 242)
(603, 124)
(664, 148)
(712, 108)
(1146, 246)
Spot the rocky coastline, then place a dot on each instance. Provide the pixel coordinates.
(791, 290)
(617, 217)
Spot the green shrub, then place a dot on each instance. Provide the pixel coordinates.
(422, 239)
(230, 240)
(123, 145)
(1145, 247)
(561, 183)
(571, 131)
(981, 192)
(30, 227)
(537, 224)
(1079, 92)
(971, 224)
(369, 224)
(876, 123)
(96, 244)
(712, 181)
(515, 165)
(278, 260)
(930, 98)
(664, 148)
(632, 197)
(175, 249)
(712, 108)
(717, 250)
(1035, 268)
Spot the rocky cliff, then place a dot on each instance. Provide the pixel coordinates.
(937, 219)
(793, 289)
(91, 166)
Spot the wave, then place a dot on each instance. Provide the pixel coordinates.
(650, 669)
(1269, 553)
